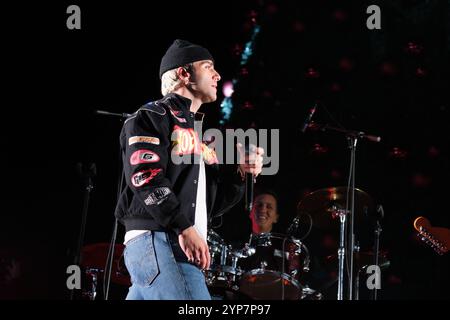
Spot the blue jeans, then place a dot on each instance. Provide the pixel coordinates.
(156, 275)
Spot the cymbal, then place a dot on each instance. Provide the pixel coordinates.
(93, 256)
(325, 205)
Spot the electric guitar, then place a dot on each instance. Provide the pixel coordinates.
(437, 238)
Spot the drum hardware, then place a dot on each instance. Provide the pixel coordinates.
(352, 136)
(245, 252)
(269, 266)
(93, 257)
(310, 294)
(263, 265)
(223, 271)
(329, 209)
(273, 271)
(92, 293)
(93, 260)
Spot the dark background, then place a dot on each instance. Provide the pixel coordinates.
(392, 82)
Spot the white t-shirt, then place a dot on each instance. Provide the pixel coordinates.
(201, 218)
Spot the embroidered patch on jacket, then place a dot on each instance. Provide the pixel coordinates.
(143, 156)
(185, 141)
(143, 177)
(143, 139)
(157, 196)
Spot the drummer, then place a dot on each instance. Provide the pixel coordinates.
(264, 212)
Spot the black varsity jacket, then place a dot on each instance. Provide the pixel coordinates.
(159, 194)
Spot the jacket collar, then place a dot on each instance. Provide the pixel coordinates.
(183, 104)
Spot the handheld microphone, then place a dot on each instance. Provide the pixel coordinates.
(248, 192)
(249, 182)
(309, 118)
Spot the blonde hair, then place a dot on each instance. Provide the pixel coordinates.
(170, 81)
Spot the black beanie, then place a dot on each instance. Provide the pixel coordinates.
(180, 53)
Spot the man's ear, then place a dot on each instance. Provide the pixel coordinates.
(183, 74)
(276, 218)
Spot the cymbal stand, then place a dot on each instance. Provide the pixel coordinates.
(376, 252)
(341, 252)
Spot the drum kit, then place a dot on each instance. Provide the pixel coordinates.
(274, 266)
(270, 266)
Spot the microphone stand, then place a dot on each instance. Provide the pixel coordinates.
(376, 250)
(352, 137)
(88, 186)
(110, 258)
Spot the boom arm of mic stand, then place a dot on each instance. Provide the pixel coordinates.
(114, 114)
(350, 133)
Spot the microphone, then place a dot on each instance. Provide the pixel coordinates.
(372, 138)
(248, 191)
(249, 182)
(308, 118)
